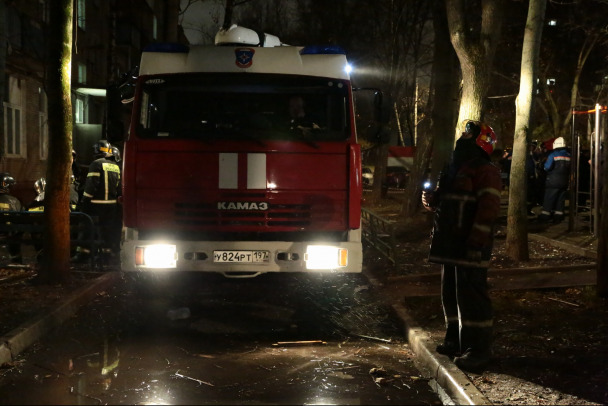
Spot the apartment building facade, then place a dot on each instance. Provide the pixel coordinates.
(108, 36)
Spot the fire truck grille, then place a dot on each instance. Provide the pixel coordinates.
(278, 215)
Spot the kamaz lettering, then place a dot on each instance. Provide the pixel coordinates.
(242, 206)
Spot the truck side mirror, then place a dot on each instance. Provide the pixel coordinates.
(114, 122)
(382, 108)
(374, 113)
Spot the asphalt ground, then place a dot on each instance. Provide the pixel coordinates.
(449, 381)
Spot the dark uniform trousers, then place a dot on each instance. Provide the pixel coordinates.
(11, 203)
(106, 214)
(464, 289)
(99, 200)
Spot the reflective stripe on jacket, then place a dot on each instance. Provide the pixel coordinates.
(103, 181)
(557, 167)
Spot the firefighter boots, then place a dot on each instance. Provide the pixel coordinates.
(451, 342)
(473, 361)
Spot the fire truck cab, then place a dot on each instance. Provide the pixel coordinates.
(242, 158)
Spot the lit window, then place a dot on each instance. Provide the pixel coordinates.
(44, 10)
(79, 110)
(82, 73)
(154, 27)
(43, 125)
(551, 82)
(552, 23)
(81, 14)
(12, 129)
(43, 128)
(13, 120)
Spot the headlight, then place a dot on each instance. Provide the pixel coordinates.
(156, 256)
(325, 257)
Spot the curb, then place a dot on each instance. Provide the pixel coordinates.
(448, 379)
(457, 386)
(19, 339)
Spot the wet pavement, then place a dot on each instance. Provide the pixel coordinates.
(270, 340)
(455, 384)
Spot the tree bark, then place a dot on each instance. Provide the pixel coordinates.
(602, 243)
(474, 31)
(228, 10)
(517, 224)
(378, 186)
(55, 264)
(3, 42)
(446, 80)
(435, 145)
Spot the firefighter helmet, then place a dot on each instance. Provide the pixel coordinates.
(102, 149)
(486, 139)
(40, 185)
(559, 143)
(116, 154)
(472, 127)
(7, 181)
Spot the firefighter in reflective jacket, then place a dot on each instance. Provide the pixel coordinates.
(99, 198)
(466, 203)
(9, 202)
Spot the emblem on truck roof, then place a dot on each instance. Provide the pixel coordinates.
(244, 57)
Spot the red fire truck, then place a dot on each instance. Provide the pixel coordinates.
(242, 159)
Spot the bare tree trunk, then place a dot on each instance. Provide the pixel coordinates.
(561, 126)
(55, 265)
(228, 10)
(586, 49)
(436, 141)
(602, 243)
(3, 43)
(446, 77)
(474, 33)
(517, 224)
(378, 186)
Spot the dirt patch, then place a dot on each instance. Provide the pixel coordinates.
(549, 344)
(23, 299)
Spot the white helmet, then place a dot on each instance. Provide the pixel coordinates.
(559, 143)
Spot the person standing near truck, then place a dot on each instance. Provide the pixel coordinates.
(9, 202)
(99, 198)
(466, 203)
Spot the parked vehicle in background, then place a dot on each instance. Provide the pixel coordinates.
(367, 175)
(397, 176)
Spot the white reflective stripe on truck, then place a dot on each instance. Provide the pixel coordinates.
(256, 171)
(229, 171)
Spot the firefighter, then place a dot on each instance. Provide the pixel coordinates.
(99, 198)
(38, 203)
(116, 226)
(466, 202)
(77, 176)
(9, 202)
(557, 167)
(116, 154)
(40, 185)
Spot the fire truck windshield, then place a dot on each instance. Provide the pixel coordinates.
(241, 106)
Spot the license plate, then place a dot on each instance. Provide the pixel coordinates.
(241, 256)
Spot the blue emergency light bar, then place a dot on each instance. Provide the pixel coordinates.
(173, 47)
(322, 50)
